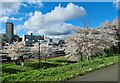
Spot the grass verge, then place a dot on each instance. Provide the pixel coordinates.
(61, 72)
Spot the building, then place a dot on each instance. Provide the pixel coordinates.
(2, 39)
(61, 43)
(9, 32)
(16, 38)
(1, 43)
(28, 40)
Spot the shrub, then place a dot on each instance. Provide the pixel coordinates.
(113, 50)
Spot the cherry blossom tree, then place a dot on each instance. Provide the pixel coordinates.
(17, 49)
(89, 42)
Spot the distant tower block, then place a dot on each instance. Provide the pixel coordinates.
(9, 32)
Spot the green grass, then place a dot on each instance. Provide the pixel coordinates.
(57, 69)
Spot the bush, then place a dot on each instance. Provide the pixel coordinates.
(112, 50)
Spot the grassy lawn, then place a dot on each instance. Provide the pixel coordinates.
(57, 69)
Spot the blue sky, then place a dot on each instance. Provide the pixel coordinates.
(32, 17)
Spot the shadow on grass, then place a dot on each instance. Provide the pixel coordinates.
(69, 62)
(43, 65)
(11, 70)
(46, 65)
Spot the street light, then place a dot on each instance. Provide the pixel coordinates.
(39, 53)
(39, 50)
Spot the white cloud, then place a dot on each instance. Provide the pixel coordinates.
(17, 29)
(8, 7)
(53, 23)
(62, 14)
(2, 30)
(39, 4)
(117, 4)
(4, 19)
(25, 5)
(20, 19)
(16, 19)
(33, 1)
(31, 14)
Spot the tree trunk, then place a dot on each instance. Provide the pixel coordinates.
(81, 58)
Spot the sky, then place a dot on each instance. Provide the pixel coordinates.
(55, 19)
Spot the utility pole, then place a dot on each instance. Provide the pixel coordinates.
(39, 53)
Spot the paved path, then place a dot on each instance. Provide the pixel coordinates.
(104, 74)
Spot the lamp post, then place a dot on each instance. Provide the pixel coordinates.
(39, 53)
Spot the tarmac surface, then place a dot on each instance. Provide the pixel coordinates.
(105, 74)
